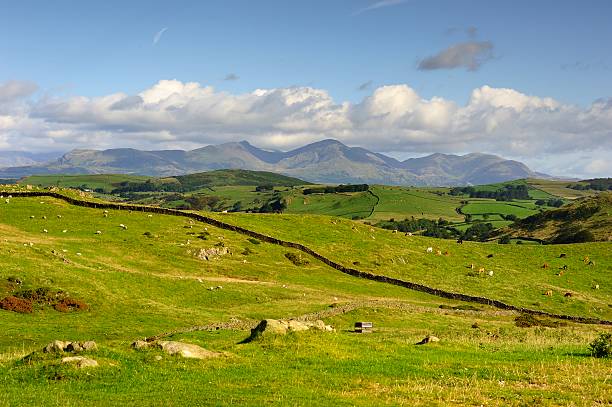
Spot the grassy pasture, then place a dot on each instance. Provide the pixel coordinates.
(558, 189)
(347, 205)
(141, 285)
(400, 203)
(519, 276)
(107, 182)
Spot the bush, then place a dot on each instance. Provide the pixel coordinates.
(296, 259)
(601, 347)
(504, 239)
(16, 304)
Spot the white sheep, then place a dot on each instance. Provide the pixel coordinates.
(430, 250)
(98, 232)
(45, 231)
(122, 226)
(65, 230)
(490, 273)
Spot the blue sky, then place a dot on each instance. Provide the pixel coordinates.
(560, 49)
(71, 49)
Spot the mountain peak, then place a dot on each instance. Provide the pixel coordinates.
(326, 161)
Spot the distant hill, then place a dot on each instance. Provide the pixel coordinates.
(109, 182)
(584, 220)
(19, 158)
(327, 161)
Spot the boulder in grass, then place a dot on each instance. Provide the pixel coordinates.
(186, 350)
(80, 361)
(282, 327)
(55, 347)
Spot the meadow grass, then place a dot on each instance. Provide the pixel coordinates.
(146, 280)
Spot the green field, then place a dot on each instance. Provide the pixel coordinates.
(145, 280)
(107, 182)
(557, 188)
(348, 205)
(521, 209)
(400, 203)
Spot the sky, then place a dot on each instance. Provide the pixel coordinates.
(528, 80)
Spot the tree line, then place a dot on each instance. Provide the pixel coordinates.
(507, 193)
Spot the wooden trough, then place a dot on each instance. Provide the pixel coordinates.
(363, 327)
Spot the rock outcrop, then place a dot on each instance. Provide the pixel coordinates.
(282, 327)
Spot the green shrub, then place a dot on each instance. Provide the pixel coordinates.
(601, 347)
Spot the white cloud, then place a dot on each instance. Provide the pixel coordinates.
(174, 114)
(379, 4)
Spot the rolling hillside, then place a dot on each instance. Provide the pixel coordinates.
(584, 220)
(128, 278)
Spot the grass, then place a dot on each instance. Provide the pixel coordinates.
(557, 189)
(346, 205)
(107, 182)
(141, 285)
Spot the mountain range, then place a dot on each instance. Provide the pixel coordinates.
(327, 161)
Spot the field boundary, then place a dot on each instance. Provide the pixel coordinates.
(307, 250)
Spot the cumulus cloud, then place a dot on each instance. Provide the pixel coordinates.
(394, 118)
(14, 90)
(470, 55)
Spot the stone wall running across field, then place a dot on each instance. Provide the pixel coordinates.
(305, 249)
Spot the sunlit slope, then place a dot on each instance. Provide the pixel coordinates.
(585, 219)
(519, 277)
(146, 279)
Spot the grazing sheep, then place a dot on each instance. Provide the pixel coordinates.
(562, 255)
(489, 256)
(471, 266)
(564, 267)
(548, 293)
(438, 252)
(98, 232)
(44, 217)
(394, 230)
(31, 216)
(7, 201)
(567, 295)
(481, 270)
(560, 273)
(106, 215)
(596, 287)
(430, 250)
(408, 234)
(447, 253)
(78, 254)
(45, 231)
(64, 231)
(149, 215)
(122, 226)
(545, 266)
(59, 216)
(591, 263)
(586, 259)
(490, 273)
